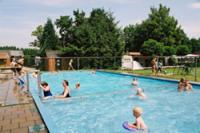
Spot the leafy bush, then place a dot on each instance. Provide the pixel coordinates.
(169, 50)
(151, 47)
(183, 50)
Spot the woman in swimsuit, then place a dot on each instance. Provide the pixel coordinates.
(46, 89)
(66, 92)
(153, 65)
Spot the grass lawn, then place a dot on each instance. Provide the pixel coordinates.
(172, 73)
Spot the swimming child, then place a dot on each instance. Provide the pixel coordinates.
(66, 92)
(140, 93)
(139, 122)
(188, 86)
(35, 74)
(181, 85)
(46, 89)
(78, 85)
(93, 71)
(135, 82)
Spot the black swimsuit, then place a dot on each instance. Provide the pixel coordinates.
(47, 93)
(68, 95)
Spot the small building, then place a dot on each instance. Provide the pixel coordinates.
(53, 60)
(129, 61)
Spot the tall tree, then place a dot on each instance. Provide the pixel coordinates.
(38, 34)
(159, 26)
(96, 35)
(195, 44)
(49, 39)
(106, 39)
(64, 24)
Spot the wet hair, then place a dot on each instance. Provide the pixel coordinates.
(182, 80)
(78, 85)
(66, 82)
(44, 83)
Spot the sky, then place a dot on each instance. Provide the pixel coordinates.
(18, 18)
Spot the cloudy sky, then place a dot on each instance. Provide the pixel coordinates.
(18, 18)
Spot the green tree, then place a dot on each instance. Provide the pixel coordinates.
(159, 26)
(169, 50)
(49, 39)
(96, 35)
(106, 37)
(38, 34)
(195, 44)
(183, 50)
(152, 47)
(64, 24)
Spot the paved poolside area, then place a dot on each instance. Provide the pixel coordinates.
(18, 111)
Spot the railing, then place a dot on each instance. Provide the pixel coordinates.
(182, 66)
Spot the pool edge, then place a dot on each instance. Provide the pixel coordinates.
(148, 77)
(52, 128)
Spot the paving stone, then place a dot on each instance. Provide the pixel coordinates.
(45, 131)
(7, 131)
(20, 130)
(17, 118)
(5, 122)
(10, 126)
(26, 124)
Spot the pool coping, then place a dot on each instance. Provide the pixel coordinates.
(52, 128)
(148, 77)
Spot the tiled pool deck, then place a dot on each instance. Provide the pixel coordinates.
(17, 110)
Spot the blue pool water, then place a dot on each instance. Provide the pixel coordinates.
(106, 100)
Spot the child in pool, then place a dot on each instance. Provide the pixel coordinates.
(77, 85)
(140, 93)
(139, 122)
(188, 86)
(35, 74)
(135, 82)
(181, 85)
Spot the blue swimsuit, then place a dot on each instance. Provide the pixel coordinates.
(47, 93)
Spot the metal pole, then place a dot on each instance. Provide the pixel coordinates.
(195, 70)
(78, 63)
(39, 82)
(115, 62)
(27, 81)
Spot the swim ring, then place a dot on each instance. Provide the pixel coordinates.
(127, 127)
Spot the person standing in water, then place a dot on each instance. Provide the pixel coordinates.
(46, 89)
(66, 91)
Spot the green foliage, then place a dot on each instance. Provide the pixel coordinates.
(152, 47)
(169, 50)
(49, 39)
(38, 34)
(30, 52)
(195, 44)
(96, 35)
(9, 48)
(159, 26)
(64, 24)
(183, 50)
(173, 60)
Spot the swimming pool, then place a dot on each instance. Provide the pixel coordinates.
(105, 101)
